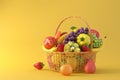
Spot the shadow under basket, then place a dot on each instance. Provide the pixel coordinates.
(76, 60)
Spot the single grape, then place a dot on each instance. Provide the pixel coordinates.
(69, 35)
(78, 31)
(76, 34)
(82, 30)
(65, 41)
(86, 30)
(72, 38)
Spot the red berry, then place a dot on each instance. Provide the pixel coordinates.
(39, 65)
(60, 47)
(85, 48)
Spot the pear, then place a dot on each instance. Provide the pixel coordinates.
(90, 67)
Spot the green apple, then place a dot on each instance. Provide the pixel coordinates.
(71, 47)
(83, 39)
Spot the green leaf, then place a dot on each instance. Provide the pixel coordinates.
(43, 64)
(73, 28)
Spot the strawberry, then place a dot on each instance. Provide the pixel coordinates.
(39, 65)
(95, 32)
(85, 48)
(60, 47)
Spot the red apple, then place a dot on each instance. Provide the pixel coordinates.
(95, 32)
(50, 42)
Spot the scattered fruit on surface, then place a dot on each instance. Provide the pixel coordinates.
(83, 39)
(39, 65)
(90, 67)
(71, 47)
(85, 48)
(50, 42)
(60, 47)
(66, 70)
(93, 31)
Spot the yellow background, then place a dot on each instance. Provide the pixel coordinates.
(25, 23)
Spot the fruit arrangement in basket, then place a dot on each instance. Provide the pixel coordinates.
(78, 40)
(74, 49)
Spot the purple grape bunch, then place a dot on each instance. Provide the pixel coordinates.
(82, 30)
(73, 35)
(70, 37)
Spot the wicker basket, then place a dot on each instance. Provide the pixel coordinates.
(76, 59)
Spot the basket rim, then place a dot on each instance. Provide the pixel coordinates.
(73, 52)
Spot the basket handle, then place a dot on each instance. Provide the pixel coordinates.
(69, 18)
(81, 19)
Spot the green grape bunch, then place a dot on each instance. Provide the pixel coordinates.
(96, 41)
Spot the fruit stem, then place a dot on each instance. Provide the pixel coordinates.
(82, 39)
